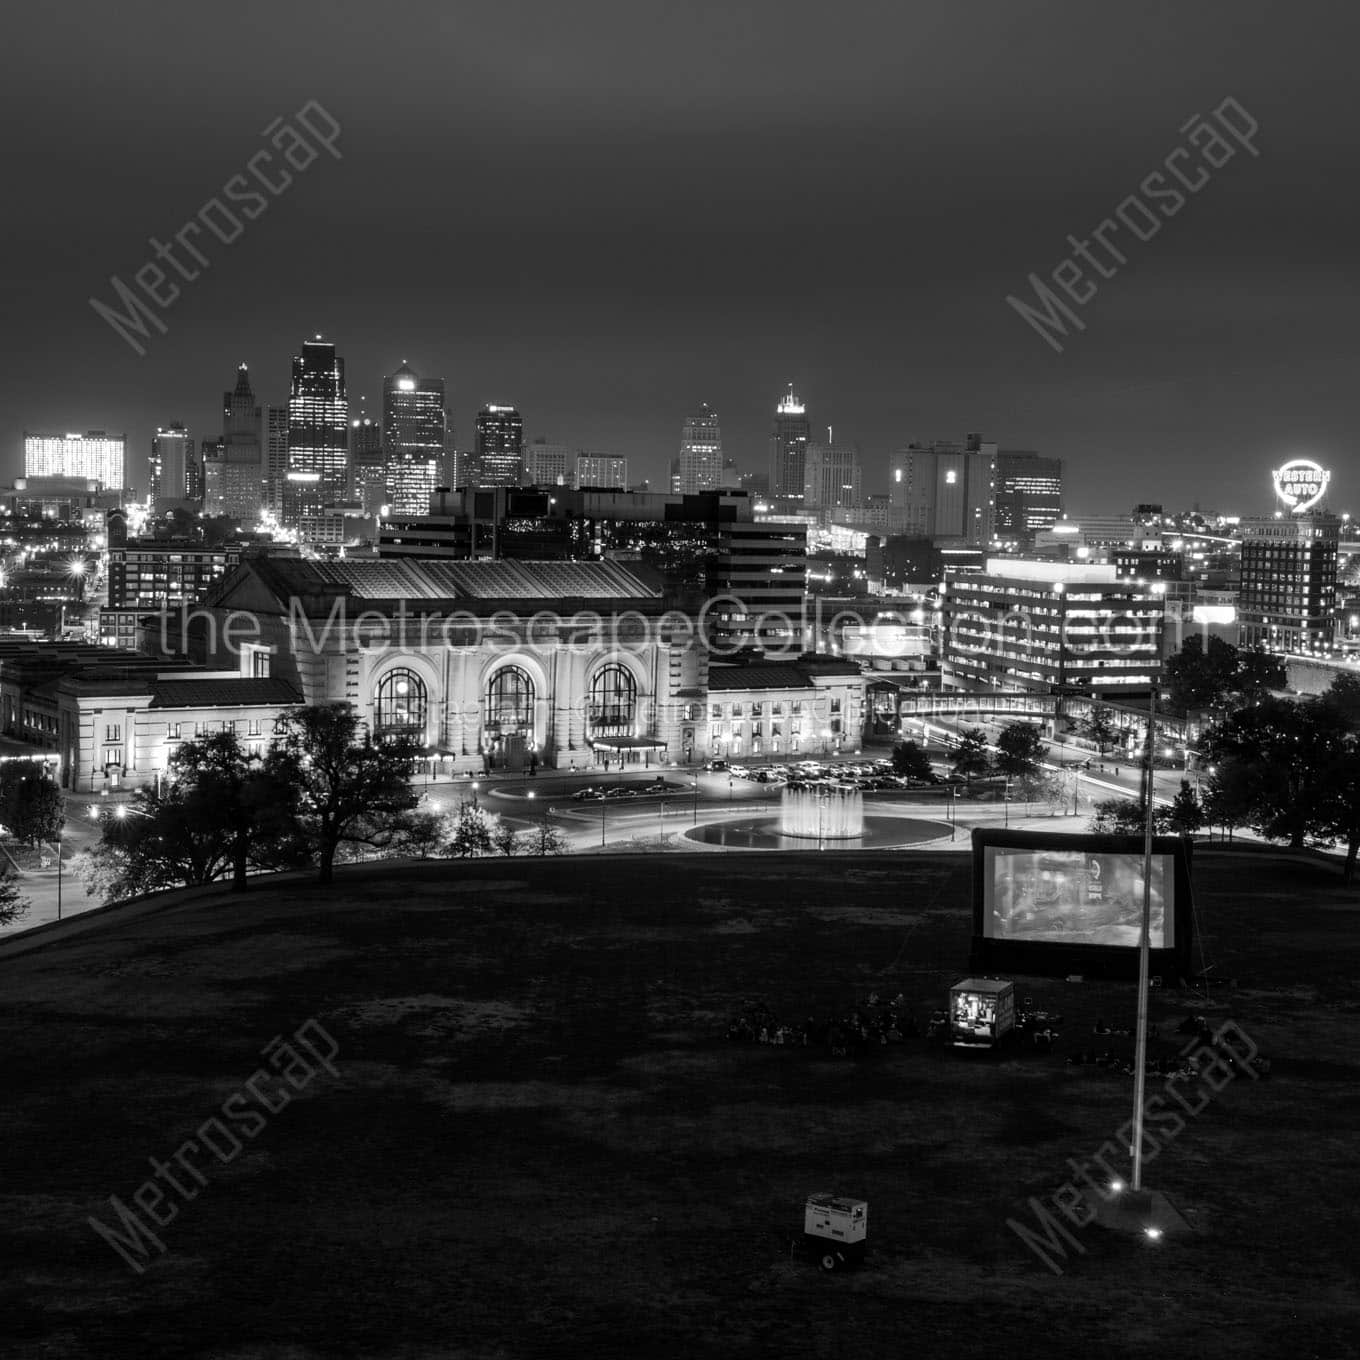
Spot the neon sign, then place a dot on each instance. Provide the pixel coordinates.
(1300, 484)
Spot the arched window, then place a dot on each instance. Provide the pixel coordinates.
(613, 700)
(510, 704)
(399, 707)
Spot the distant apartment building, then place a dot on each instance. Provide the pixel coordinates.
(170, 473)
(1287, 599)
(95, 456)
(946, 490)
(147, 577)
(1051, 627)
(547, 464)
(601, 470)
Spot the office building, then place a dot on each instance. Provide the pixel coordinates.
(1287, 599)
(1029, 495)
(318, 432)
(95, 457)
(601, 470)
(701, 456)
(234, 472)
(833, 478)
(414, 428)
(367, 464)
(275, 459)
(788, 449)
(546, 464)
(946, 489)
(499, 455)
(170, 476)
(1051, 627)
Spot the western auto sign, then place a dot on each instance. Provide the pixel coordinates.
(1301, 484)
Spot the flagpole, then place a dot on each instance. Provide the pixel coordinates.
(1140, 1041)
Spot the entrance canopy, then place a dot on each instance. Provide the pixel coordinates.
(627, 744)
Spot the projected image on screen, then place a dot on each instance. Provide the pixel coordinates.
(1076, 897)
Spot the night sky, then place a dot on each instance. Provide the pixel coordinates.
(608, 211)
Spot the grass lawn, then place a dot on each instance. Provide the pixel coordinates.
(539, 1142)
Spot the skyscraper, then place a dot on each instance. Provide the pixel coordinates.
(1029, 495)
(788, 448)
(367, 463)
(500, 447)
(318, 432)
(946, 489)
(96, 457)
(833, 478)
(1288, 595)
(234, 472)
(701, 458)
(275, 459)
(169, 475)
(414, 431)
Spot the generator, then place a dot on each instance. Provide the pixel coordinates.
(835, 1230)
(981, 1012)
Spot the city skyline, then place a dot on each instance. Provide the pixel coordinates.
(578, 276)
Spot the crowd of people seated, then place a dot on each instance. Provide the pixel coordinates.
(881, 1020)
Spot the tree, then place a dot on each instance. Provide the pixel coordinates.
(545, 840)
(971, 756)
(1282, 746)
(31, 804)
(1200, 678)
(1229, 797)
(1125, 817)
(1340, 801)
(229, 799)
(1343, 697)
(421, 835)
(473, 833)
(154, 841)
(13, 906)
(910, 761)
(1186, 815)
(1100, 726)
(1257, 673)
(346, 786)
(505, 838)
(1020, 751)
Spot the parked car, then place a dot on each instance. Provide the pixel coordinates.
(621, 791)
(716, 765)
(581, 795)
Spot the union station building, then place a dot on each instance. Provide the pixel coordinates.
(487, 665)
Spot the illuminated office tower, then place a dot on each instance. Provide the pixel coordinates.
(92, 457)
(414, 430)
(788, 448)
(1029, 495)
(170, 475)
(318, 432)
(499, 459)
(701, 457)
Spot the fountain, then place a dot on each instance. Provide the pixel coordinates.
(825, 813)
